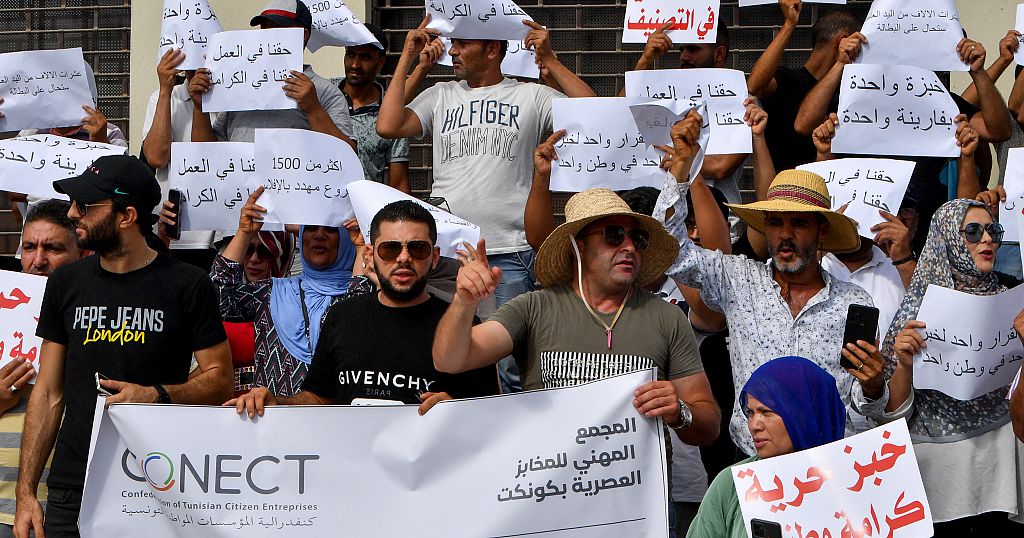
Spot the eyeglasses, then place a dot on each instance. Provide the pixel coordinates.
(614, 235)
(83, 208)
(418, 249)
(261, 251)
(974, 231)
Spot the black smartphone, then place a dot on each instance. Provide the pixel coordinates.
(174, 232)
(100, 388)
(861, 324)
(760, 528)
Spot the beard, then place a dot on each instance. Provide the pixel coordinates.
(396, 294)
(803, 257)
(102, 238)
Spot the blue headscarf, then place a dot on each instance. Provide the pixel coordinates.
(320, 287)
(804, 395)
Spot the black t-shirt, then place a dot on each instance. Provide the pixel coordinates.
(788, 148)
(368, 350)
(141, 327)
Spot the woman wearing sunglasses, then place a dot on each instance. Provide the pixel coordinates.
(972, 466)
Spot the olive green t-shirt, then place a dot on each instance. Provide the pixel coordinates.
(559, 344)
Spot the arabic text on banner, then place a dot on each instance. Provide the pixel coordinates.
(334, 24)
(187, 25)
(30, 164)
(21, 298)
(519, 61)
(43, 89)
(1010, 210)
(921, 33)
(654, 120)
(248, 69)
(478, 19)
(748, 3)
(215, 179)
(866, 185)
(579, 460)
(693, 21)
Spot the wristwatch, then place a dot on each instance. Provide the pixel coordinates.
(685, 417)
(161, 394)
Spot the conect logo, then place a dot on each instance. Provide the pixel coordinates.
(223, 473)
(153, 461)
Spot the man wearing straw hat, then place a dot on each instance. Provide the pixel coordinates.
(789, 306)
(592, 320)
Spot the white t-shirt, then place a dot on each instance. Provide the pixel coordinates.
(483, 143)
(879, 277)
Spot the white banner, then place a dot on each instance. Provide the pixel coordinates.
(865, 485)
(693, 21)
(602, 146)
(654, 120)
(43, 89)
(971, 347)
(478, 19)
(867, 185)
(895, 110)
(30, 164)
(576, 462)
(187, 25)
(724, 90)
(369, 197)
(1013, 184)
(519, 61)
(921, 33)
(334, 24)
(215, 179)
(748, 3)
(21, 298)
(248, 69)
(306, 174)
(1019, 55)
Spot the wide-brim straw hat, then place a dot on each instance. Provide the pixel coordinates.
(800, 191)
(555, 258)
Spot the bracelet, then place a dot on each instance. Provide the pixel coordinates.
(905, 260)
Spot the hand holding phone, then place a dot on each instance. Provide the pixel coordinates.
(760, 528)
(861, 324)
(173, 231)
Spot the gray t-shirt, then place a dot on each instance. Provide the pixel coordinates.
(559, 344)
(240, 126)
(483, 142)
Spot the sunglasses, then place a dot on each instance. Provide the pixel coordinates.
(974, 231)
(614, 235)
(390, 250)
(83, 208)
(261, 251)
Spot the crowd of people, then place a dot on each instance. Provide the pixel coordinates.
(740, 307)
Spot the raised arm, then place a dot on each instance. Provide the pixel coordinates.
(814, 108)
(761, 82)
(428, 59)
(539, 39)
(394, 120)
(764, 173)
(1007, 48)
(202, 128)
(157, 144)
(968, 184)
(539, 218)
(658, 43)
(992, 123)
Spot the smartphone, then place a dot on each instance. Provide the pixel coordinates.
(861, 324)
(760, 528)
(100, 388)
(174, 232)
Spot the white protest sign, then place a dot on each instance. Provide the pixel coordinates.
(865, 485)
(334, 24)
(602, 146)
(576, 462)
(867, 185)
(187, 25)
(724, 90)
(478, 19)
(971, 346)
(21, 298)
(693, 21)
(305, 174)
(248, 69)
(1013, 184)
(30, 164)
(215, 179)
(747, 3)
(1019, 55)
(43, 89)
(519, 61)
(895, 110)
(654, 120)
(369, 197)
(921, 33)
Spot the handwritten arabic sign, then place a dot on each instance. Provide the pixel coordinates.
(478, 19)
(895, 110)
(602, 146)
(968, 356)
(578, 460)
(1013, 183)
(654, 120)
(305, 174)
(21, 297)
(215, 179)
(865, 485)
(724, 90)
(248, 69)
(922, 33)
(334, 24)
(747, 3)
(519, 61)
(30, 164)
(43, 89)
(187, 25)
(867, 185)
(693, 21)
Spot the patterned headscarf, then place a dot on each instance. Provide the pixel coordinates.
(282, 248)
(946, 261)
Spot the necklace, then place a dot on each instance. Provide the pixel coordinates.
(607, 328)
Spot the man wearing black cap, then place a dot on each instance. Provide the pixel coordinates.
(322, 107)
(128, 318)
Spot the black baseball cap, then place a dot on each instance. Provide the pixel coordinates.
(118, 177)
(285, 13)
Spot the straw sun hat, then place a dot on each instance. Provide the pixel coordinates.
(555, 260)
(799, 191)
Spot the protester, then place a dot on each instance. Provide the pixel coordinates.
(128, 313)
(48, 239)
(970, 443)
(791, 404)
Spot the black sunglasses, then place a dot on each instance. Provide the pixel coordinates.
(418, 249)
(83, 208)
(614, 235)
(974, 231)
(261, 251)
